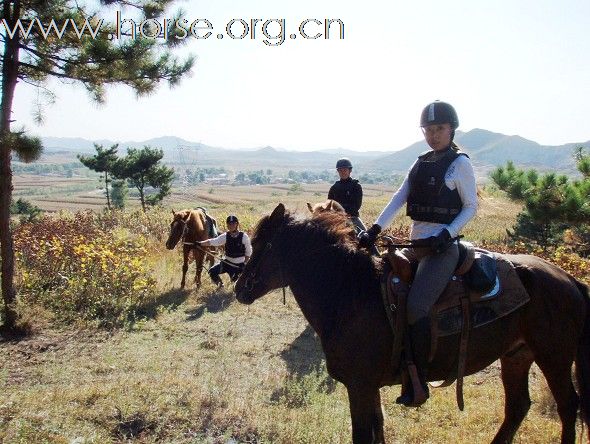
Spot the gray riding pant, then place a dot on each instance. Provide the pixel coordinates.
(358, 223)
(433, 274)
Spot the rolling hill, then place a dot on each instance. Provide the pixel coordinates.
(487, 150)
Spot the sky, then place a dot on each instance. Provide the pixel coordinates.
(513, 67)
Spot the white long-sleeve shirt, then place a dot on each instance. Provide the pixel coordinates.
(459, 176)
(220, 240)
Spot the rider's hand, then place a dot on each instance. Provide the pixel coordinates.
(441, 242)
(367, 238)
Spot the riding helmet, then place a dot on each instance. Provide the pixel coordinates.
(439, 112)
(231, 219)
(343, 163)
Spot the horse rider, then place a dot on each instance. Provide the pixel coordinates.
(348, 192)
(238, 250)
(440, 194)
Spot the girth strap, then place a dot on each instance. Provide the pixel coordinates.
(466, 328)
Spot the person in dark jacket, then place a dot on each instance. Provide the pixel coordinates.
(237, 251)
(348, 192)
(440, 194)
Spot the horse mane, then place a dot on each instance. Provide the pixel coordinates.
(334, 227)
(339, 262)
(195, 220)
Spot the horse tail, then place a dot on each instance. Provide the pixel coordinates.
(583, 361)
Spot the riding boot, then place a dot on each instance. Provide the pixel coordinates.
(217, 281)
(418, 350)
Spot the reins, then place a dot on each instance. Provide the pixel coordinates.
(389, 242)
(197, 245)
(251, 277)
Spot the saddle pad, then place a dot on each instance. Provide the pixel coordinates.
(510, 296)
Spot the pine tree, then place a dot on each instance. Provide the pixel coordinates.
(553, 203)
(142, 168)
(102, 162)
(86, 55)
(119, 193)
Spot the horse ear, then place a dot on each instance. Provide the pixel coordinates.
(278, 214)
(186, 216)
(310, 207)
(173, 212)
(329, 206)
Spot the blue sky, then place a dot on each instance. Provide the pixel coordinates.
(515, 67)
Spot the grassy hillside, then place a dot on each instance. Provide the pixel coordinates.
(202, 368)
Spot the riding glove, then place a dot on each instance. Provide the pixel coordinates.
(367, 238)
(441, 242)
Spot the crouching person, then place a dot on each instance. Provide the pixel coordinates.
(237, 251)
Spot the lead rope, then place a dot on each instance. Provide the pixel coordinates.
(196, 245)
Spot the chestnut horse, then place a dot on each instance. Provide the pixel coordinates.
(190, 226)
(328, 205)
(337, 288)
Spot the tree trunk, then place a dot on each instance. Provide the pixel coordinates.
(141, 196)
(106, 187)
(9, 79)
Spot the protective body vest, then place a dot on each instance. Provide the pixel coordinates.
(349, 194)
(430, 200)
(234, 246)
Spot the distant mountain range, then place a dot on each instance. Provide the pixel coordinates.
(485, 148)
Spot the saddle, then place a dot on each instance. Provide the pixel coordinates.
(484, 287)
(211, 224)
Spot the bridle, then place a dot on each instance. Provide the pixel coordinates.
(251, 278)
(184, 232)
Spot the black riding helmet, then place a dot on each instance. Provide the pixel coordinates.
(438, 112)
(231, 219)
(343, 163)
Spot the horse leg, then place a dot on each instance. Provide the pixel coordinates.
(366, 415)
(558, 373)
(185, 253)
(378, 423)
(199, 258)
(515, 378)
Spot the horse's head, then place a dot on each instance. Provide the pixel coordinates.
(263, 273)
(177, 227)
(329, 205)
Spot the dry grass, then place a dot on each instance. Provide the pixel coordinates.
(201, 368)
(207, 369)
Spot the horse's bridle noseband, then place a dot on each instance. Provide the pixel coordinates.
(251, 279)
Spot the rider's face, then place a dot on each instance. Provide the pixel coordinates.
(438, 136)
(232, 227)
(344, 173)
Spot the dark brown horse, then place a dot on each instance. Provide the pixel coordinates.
(337, 289)
(190, 226)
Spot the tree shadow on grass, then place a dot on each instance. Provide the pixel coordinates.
(171, 299)
(213, 302)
